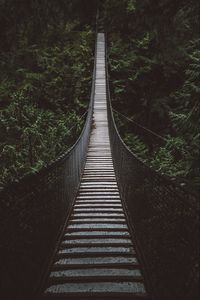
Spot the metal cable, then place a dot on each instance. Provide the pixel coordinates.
(142, 127)
(32, 213)
(164, 217)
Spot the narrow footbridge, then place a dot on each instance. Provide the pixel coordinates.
(96, 256)
(98, 223)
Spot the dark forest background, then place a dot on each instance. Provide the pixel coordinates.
(46, 59)
(154, 56)
(46, 52)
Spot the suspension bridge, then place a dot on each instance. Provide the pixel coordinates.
(98, 223)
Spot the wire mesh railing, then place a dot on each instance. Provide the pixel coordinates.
(32, 213)
(164, 218)
(152, 145)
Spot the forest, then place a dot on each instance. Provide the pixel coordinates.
(46, 61)
(154, 55)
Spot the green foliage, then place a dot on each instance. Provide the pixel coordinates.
(45, 78)
(131, 6)
(32, 137)
(175, 158)
(171, 158)
(136, 146)
(54, 76)
(154, 65)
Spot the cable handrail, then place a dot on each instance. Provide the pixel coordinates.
(141, 126)
(34, 209)
(49, 164)
(164, 217)
(179, 183)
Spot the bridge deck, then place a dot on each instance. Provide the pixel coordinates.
(96, 257)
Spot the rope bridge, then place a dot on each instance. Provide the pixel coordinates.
(98, 222)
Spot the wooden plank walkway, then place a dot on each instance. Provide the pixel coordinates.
(96, 257)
